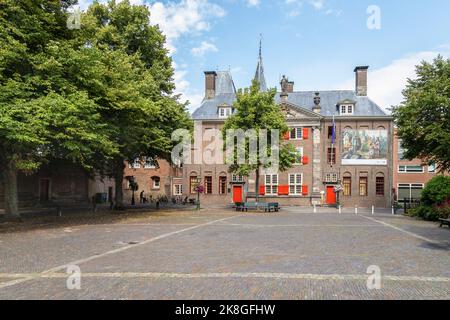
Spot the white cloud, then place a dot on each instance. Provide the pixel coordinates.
(184, 17)
(253, 3)
(183, 87)
(317, 4)
(204, 47)
(385, 85)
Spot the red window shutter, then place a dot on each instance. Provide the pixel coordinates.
(305, 133)
(305, 190)
(287, 135)
(283, 190)
(262, 190)
(305, 160)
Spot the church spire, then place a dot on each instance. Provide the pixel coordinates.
(259, 75)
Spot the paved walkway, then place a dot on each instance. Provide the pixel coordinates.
(220, 254)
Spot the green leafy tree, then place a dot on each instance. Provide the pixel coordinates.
(43, 115)
(136, 85)
(423, 118)
(256, 110)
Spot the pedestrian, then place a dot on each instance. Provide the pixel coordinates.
(141, 197)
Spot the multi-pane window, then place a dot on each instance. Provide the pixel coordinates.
(347, 109)
(350, 109)
(222, 185)
(136, 164)
(331, 155)
(149, 163)
(347, 184)
(296, 134)
(410, 169)
(298, 156)
(156, 183)
(409, 192)
(193, 183)
(224, 112)
(208, 185)
(380, 186)
(237, 178)
(178, 189)
(363, 186)
(331, 177)
(295, 184)
(271, 184)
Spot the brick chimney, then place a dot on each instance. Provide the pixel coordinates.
(210, 84)
(361, 80)
(286, 85)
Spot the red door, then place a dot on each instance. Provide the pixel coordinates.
(331, 195)
(237, 194)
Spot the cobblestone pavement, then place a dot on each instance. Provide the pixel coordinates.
(221, 254)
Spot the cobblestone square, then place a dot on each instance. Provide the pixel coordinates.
(221, 254)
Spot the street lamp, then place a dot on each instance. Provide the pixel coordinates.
(199, 189)
(134, 187)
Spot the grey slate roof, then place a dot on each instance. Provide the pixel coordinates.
(329, 99)
(226, 95)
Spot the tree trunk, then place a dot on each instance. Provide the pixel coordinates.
(119, 172)
(257, 184)
(11, 196)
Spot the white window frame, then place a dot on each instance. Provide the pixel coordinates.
(331, 177)
(178, 189)
(224, 112)
(299, 150)
(136, 164)
(347, 109)
(271, 184)
(298, 133)
(295, 184)
(147, 164)
(405, 170)
(237, 178)
(156, 183)
(410, 185)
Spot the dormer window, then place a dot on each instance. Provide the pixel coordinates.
(347, 109)
(224, 112)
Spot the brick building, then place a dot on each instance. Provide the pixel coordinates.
(59, 183)
(155, 178)
(410, 176)
(355, 170)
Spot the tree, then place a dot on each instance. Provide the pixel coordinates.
(423, 118)
(42, 114)
(256, 110)
(136, 89)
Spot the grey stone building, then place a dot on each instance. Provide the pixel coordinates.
(350, 164)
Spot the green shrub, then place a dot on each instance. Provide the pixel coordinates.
(436, 192)
(424, 212)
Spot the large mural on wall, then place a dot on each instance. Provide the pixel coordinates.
(364, 147)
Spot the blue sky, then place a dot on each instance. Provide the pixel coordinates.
(316, 43)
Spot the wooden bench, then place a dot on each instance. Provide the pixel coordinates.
(268, 207)
(445, 222)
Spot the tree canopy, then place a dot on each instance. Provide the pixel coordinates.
(257, 110)
(423, 118)
(96, 96)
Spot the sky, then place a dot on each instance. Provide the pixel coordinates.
(315, 43)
